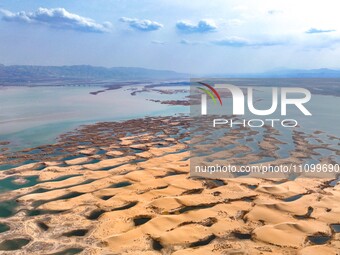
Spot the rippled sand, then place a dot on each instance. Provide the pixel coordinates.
(124, 188)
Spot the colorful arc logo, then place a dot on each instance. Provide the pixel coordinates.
(211, 92)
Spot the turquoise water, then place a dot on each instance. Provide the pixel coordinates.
(9, 183)
(32, 116)
(324, 109)
(325, 118)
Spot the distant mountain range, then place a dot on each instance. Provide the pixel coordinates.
(286, 73)
(25, 74)
(86, 74)
(313, 73)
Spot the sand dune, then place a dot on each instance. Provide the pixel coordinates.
(134, 195)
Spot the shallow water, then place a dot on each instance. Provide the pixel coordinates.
(203, 242)
(7, 208)
(77, 232)
(70, 251)
(32, 116)
(13, 244)
(242, 236)
(10, 184)
(319, 239)
(293, 198)
(141, 220)
(335, 227)
(4, 227)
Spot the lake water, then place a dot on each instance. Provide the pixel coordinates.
(325, 118)
(31, 116)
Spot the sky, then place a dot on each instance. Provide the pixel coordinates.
(196, 37)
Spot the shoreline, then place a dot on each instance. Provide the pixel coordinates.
(128, 182)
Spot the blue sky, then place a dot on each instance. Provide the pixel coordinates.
(199, 37)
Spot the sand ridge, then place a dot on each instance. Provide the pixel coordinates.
(129, 192)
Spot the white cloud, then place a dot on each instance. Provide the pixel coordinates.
(239, 42)
(158, 42)
(203, 26)
(144, 25)
(56, 18)
(187, 42)
(235, 41)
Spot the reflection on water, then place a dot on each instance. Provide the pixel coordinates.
(31, 116)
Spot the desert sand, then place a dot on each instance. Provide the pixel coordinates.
(125, 188)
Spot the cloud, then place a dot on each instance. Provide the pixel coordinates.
(235, 41)
(320, 43)
(187, 42)
(232, 41)
(235, 22)
(202, 26)
(158, 42)
(56, 18)
(318, 31)
(144, 25)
